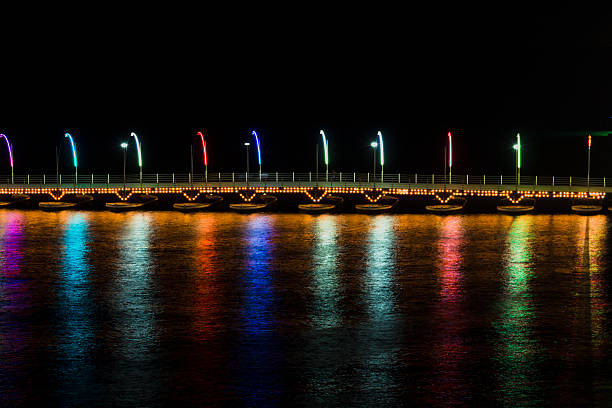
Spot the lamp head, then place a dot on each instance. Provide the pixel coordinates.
(516, 146)
(247, 144)
(374, 144)
(124, 145)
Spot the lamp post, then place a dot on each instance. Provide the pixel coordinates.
(74, 158)
(124, 146)
(517, 147)
(139, 154)
(10, 150)
(247, 144)
(374, 145)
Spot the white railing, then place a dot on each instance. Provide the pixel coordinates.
(309, 179)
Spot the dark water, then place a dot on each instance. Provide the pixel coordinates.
(148, 309)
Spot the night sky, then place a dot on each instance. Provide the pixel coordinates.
(414, 74)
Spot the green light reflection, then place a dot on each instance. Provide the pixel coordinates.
(518, 348)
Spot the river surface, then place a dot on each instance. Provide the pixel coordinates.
(154, 308)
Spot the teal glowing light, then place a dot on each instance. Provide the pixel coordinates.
(382, 149)
(374, 145)
(124, 145)
(74, 155)
(137, 148)
(258, 149)
(325, 147)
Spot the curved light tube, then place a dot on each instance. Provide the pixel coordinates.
(138, 148)
(382, 150)
(203, 148)
(258, 149)
(325, 147)
(9, 148)
(518, 142)
(450, 150)
(74, 156)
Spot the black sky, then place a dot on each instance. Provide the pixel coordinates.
(413, 73)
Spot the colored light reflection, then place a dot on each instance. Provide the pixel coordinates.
(203, 148)
(517, 359)
(449, 386)
(258, 347)
(592, 254)
(258, 148)
(326, 311)
(382, 324)
(15, 307)
(207, 300)
(75, 311)
(8, 145)
(134, 309)
(72, 145)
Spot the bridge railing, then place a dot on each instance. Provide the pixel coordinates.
(300, 178)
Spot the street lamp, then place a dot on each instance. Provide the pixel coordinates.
(10, 150)
(517, 147)
(124, 146)
(74, 158)
(139, 154)
(374, 145)
(247, 144)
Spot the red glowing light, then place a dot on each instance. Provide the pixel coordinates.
(203, 148)
(450, 150)
(589, 141)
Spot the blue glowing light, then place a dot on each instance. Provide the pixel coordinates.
(258, 149)
(74, 155)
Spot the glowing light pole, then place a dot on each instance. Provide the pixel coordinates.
(382, 156)
(326, 151)
(74, 158)
(139, 154)
(517, 147)
(450, 158)
(124, 146)
(247, 144)
(374, 145)
(205, 158)
(589, 166)
(10, 150)
(258, 152)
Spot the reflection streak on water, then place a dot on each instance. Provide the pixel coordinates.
(134, 306)
(75, 307)
(519, 347)
(207, 299)
(14, 300)
(258, 344)
(381, 326)
(326, 313)
(449, 350)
